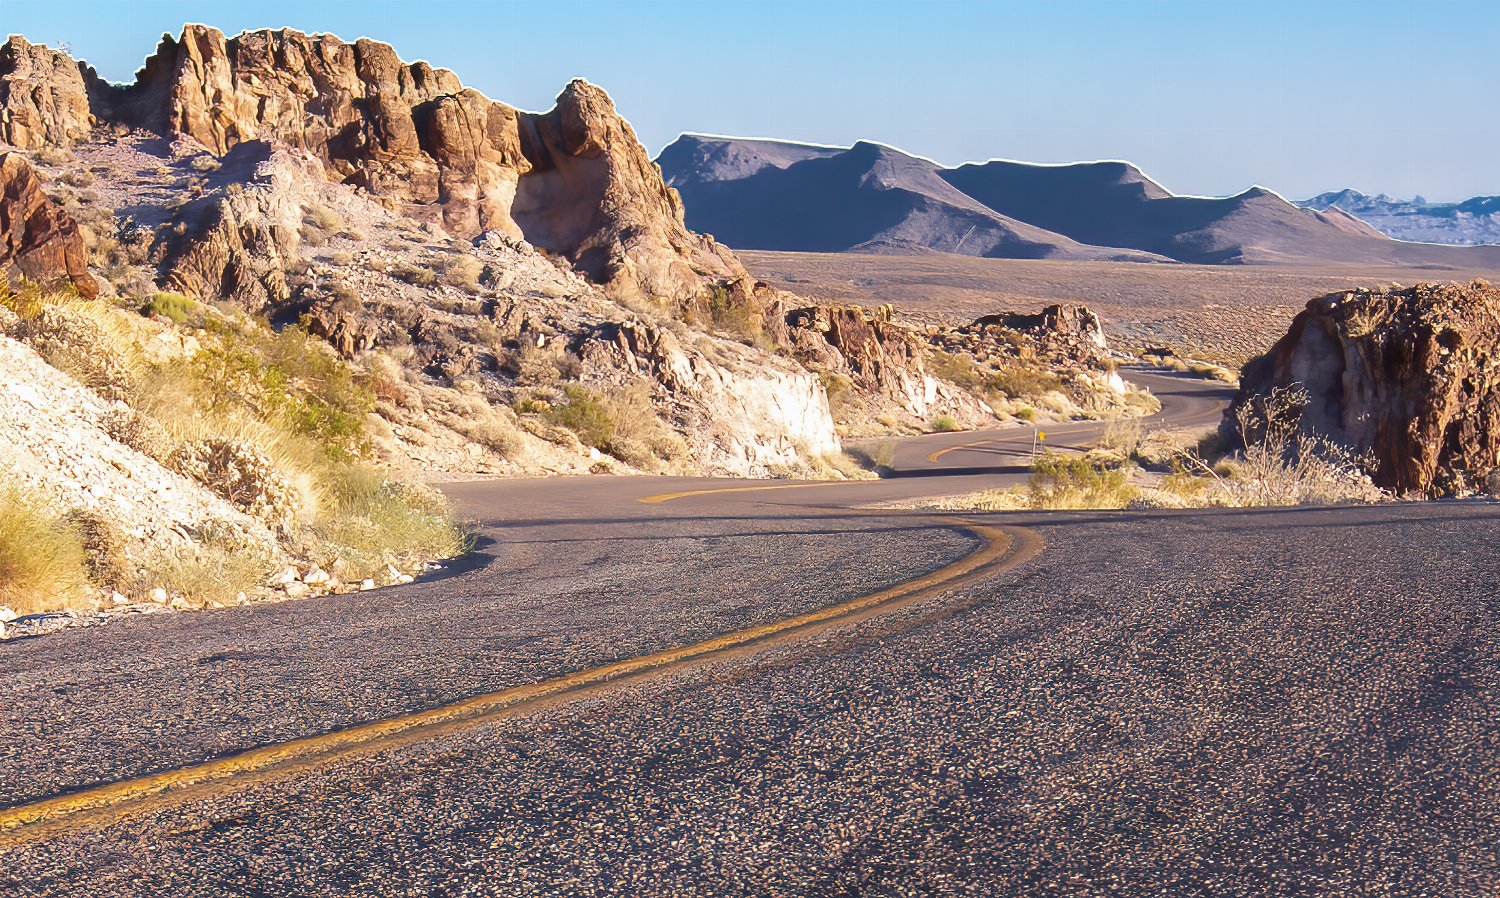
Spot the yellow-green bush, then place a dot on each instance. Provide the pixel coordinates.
(175, 307)
(1072, 481)
(41, 556)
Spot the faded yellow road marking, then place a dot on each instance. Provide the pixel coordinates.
(99, 806)
(668, 497)
(942, 452)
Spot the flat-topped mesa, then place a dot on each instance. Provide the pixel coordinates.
(574, 181)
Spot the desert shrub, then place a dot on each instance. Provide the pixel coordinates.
(78, 177)
(205, 163)
(839, 390)
(1025, 383)
(1027, 414)
(462, 271)
(218, 565)
(243, 477)
(586, 413)
(416, 275)
(289, 379)
(943, 424)
(373, 522)
(1279, 463)
(877, 457)
(1072, 481)
(105, 556)
(957, 369)
(175, 307)
(743, 320)
(41, 556)
(623, 423)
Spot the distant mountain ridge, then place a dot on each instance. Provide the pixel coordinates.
(781, 195)
(1473, 221)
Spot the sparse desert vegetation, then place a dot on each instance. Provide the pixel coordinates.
(270, 422)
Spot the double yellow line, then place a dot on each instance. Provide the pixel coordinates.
(92, 808)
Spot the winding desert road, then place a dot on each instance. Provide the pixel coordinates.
(661, 686)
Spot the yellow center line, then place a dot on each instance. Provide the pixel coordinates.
(99, 806)
(668, 497)
(942, 452)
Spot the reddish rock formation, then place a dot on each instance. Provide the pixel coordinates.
(574, 181)
(43, 99)
(1410, 376)
(38, 240)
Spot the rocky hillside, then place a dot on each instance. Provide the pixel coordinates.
(1407, 377)
(770, 195)
(1473, 221)
(253, 292)
(459, 250)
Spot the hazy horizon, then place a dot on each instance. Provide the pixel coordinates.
(1205, 98)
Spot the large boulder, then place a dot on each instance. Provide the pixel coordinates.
(1409, 376)
(39, 241)
(43, 98)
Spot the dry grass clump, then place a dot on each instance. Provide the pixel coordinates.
(415, 275)
(943, 424)
(1280, 464)
(462, 271)
(72, 337)
(215, 569)
(140, 432)
(1060, 481)
(42, 557)
(876, 457)
(622, 423)
(373, 523)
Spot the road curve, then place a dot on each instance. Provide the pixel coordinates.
(1287, 702)
(104, 795)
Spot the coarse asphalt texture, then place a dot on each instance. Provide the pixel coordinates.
(1267, 702)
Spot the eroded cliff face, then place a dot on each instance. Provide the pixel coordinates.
(574, 181)
(43, 98)
(38, 240)
(1410, 376)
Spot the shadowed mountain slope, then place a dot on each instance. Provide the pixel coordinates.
(774, 195)
(869, 198)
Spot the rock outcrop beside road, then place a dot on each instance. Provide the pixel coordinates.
(38, 241)
(1409, 376)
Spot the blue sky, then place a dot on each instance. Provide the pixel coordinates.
(1208, 96)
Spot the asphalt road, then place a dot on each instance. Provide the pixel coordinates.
(1212, 703)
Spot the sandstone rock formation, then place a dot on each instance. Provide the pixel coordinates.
(239, 245)
(574, 181)
(38, 240)
(43, 98)
(1410, 376)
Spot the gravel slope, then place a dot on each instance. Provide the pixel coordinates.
(1247, 703)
